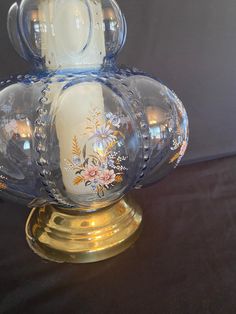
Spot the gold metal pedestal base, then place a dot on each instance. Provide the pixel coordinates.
(69, 236)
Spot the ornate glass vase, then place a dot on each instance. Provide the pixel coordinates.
(79, 133)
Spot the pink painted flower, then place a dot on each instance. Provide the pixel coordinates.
(91, 173)
(11, 127)
(107, 177)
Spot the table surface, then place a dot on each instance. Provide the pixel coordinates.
(184, 261)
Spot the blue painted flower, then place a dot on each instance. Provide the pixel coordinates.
(76, 160)
(115, 120)
(103, 137)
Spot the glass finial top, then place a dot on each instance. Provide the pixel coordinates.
(61, 34)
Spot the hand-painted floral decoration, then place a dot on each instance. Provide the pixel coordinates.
(3, 185)
(178, 156)
(103, 168)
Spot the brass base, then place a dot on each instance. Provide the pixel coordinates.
(69, 236)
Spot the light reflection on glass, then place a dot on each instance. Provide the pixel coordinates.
(26, 145)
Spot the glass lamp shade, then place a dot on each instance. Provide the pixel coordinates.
(80, 134)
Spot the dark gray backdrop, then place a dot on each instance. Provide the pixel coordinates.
(191, 46)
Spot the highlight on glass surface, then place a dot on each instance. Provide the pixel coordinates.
(80, 133)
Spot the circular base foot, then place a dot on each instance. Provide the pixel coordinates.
(69, 236)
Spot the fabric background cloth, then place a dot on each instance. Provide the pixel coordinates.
(184, 261)
(191, 46)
